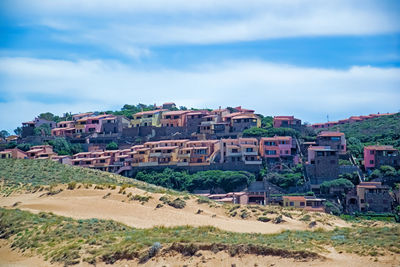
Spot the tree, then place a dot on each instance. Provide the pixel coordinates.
(18, 131)
(261, 132)
(355, 147)
(61, 146)
(24, 147)
(338, 183)
(112, 146)
(47, 116)
(267, 122)
(42, 130)
(4, 134)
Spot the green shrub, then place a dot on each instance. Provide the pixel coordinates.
(71, 185)
(263, 219)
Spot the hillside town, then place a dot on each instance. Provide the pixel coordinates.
(329, 177)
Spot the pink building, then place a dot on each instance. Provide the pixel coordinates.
(277, 146)
(94, 124)
(376, 156)
(64, 128)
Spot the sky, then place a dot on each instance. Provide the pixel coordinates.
(308, 58)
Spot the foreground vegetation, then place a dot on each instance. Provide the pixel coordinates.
(68, 241)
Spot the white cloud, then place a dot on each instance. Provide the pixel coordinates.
(141, 24)
(309, 93)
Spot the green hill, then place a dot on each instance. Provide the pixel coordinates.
(17, 173)
(384, 130)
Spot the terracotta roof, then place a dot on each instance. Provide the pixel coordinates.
(178, 112)
(65, 122)
(149, 112)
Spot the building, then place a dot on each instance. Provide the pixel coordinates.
(41, 152)
(278, 149)
(174, 118)
(370, 196)
(14, 153)
(334, 140)
(286, 122)
(376, 156)
(168, 105)
(197, 152)
(64, 128)
(304, 202)
(148, 118)
(80, 116)
(243, 150)
(322, 165)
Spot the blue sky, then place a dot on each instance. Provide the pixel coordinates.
(299, 57)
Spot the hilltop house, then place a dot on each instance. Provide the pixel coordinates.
(322, 165)
(64, 128)
(41, 152)
(376, 156)
(286, 122)
(370, 196)
(277, 150)
(14, 153)
(334, 140)
(148, 118)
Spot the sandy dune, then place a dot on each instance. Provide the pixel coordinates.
(89, 203)
(11, 258)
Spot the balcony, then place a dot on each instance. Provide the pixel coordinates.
(156, 155)
(250, 153)
(233, 154)
(253, 162)
(182, 164)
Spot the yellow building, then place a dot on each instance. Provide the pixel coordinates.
(147, 118)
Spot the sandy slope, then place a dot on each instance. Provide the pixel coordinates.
(11, 258)
(89, 203)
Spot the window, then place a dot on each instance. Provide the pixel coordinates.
(291, 203)
(371, 162)
(371, 152)
(249, 149)
(302, 204)
(270, 152)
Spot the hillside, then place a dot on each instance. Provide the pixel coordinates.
(384, 130)
(99, 218)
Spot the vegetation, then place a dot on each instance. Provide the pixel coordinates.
(42, 130)
(287, 178)
(112, 146)
(182, 181)
(270, 132)
(24, 173)
(338, 183)
(62, 147)
(384, 130)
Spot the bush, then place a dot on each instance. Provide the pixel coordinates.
(263, 219)
(177, 203)
(112, 146)
(71, 185)
(338, 183)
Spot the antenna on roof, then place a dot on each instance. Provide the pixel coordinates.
(327, 118)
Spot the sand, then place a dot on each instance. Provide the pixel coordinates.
(89, 203)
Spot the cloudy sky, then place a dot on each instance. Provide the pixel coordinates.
(311, 59)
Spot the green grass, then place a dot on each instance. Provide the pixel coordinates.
(18, 173)
(65, 240)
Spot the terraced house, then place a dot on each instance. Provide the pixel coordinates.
(148, 118)
(376, 156)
